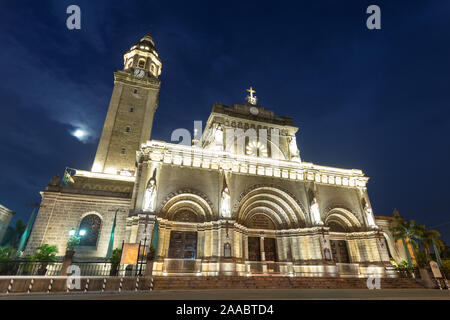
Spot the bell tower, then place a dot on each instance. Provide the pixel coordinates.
(133, 103)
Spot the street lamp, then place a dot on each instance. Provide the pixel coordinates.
(73, 231)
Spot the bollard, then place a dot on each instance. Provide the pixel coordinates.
(86, 288)
(121, 284)
(151, 283)
(50, 286)
(30, 287)
(137, 284)
(10, 286)
(104, 285)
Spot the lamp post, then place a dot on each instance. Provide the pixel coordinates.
(73, 241)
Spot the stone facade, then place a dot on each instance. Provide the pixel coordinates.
(5, 217)
(238, 201)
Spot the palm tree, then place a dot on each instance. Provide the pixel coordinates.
(427, 241)
(13, 234)
(406, 230)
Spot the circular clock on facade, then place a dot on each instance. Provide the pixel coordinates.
(254, 111)
(139, 73)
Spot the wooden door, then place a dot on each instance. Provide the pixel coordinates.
(270, 250)
(339, 251)
(254, 252)
(183, 244)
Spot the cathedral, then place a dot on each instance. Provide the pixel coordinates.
(236, 200)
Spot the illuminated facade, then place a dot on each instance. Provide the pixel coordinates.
(239, 200)
(5, 217)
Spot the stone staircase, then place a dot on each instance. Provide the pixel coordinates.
(189, 283)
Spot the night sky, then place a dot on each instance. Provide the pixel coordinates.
(376, 100)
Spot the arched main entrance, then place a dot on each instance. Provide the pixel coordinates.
(264, 211)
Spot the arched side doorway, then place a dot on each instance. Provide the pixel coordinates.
(340, 221)
(190, 210)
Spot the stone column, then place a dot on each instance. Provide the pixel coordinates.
(263, 254)
(261, 248)
(200, 243)
(245, 246)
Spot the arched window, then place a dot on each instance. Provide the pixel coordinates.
(123, 150)
(227, 250)
(141, 63)
(127, 129)
(129, 63)
(91, 224)
(336, 227)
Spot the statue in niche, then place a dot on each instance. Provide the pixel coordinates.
(327, 254)
(227, 250)
(369, 216)
(54, 181)
(225, 203)
(315, 212)
(218, 137)
(293, 150)
(150, 194)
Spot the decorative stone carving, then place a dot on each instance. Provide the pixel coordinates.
(256, 186)
(54, 182)
(185, 190)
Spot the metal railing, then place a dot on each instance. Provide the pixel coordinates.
(30, 268)
(265, 267)
(106, 269)
(86, 268)
(188, 266)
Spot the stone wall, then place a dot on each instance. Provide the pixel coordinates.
(60, 212)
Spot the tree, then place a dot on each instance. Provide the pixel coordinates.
(73, 242)
(13, 234)
(406, 230)
(115, 261)
(45, 254)
(427, 241)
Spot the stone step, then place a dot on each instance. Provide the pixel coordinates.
(173, 283)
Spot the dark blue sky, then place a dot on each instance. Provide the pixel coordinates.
(375, 100)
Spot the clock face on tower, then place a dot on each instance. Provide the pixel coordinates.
(139, 73)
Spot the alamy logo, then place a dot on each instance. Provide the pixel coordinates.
(374, 280)
(374, 20)
(250, 141)
(73, 278)
(74, 20)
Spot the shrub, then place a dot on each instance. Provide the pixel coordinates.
(6, 253)
(73, 242)
(45, 253)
